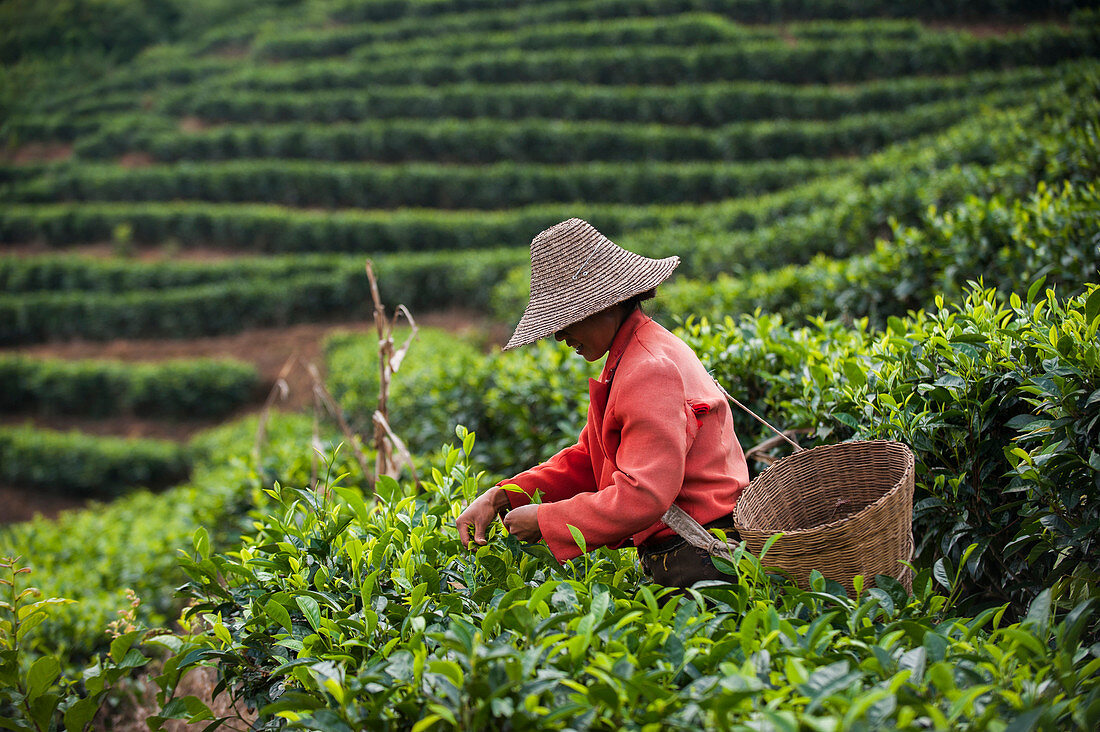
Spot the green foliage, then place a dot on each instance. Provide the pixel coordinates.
(81, 465)
(535, 402)
(525, 404)
(439, 384)
(999, 403)
(375, 41)
(268, 228)
(36, 695)
(332, 613)
(96, 275)
(901, 183)
(706, 105)
(118, 28)
(746, 11)
(95, 555)
(194, 389)
(1008, 235)
(509, 295)
(366, 185)
(1053, 233)
(533, 140)
(338, 614)
(76, 297)
(818, 60)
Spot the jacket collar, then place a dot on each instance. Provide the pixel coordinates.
(622, 338)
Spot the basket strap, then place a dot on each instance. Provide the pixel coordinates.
(693, 533)
(758, 418)
(691, 530)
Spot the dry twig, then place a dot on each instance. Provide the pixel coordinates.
(389, 361)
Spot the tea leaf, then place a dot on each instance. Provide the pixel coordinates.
(310, 609)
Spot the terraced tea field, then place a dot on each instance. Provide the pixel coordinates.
(889, 224)
(238, 179)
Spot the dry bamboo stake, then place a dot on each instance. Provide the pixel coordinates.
(389, 361)
(404, 457)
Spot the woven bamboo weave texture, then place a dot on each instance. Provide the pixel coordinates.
(844, 509)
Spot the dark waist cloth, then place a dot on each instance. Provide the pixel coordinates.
(723, 522)
(676, 563)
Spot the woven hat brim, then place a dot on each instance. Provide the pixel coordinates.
(544, 315)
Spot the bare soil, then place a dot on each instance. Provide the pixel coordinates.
(193, 124)
(40, 152)
(140, 703)
(136, 159)
(20, 504)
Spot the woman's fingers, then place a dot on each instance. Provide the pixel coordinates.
(523, 523)
(479, 514)
(463, 531)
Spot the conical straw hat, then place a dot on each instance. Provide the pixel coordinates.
(577, 271)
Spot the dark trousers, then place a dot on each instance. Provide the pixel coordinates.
(676, 563)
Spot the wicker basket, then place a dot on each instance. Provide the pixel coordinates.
(844, 510)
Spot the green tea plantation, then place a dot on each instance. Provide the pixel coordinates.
(888, 220)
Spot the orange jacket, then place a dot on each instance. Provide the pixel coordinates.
(659, 431)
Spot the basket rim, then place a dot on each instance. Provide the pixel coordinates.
(820, 528)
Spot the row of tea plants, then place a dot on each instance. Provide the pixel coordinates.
(336, 610)
(339, 613)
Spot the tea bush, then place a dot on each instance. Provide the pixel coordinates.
(94, 555)
(714, 104)
(38, 695)
(74, 298)
(502, 185)
(745, 11)
(824, 60)
(69, 272)
(194, 389)
(999, 401)
(440, 380)
(82, 465)
(339, 614)
(1053, 233)
(371, 41)
(528, 140)
(526, 404)
(843, 60)
(1009, 234)
(900, 182)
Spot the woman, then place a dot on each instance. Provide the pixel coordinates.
(659, 430)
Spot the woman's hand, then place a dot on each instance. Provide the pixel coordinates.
(523, 523)
(481, 512)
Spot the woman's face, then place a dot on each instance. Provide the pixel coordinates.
(591, 337)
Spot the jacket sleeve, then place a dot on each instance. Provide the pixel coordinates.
(559, 478)
(657, 428)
